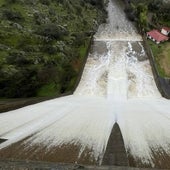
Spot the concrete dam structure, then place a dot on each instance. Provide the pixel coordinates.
(116, 100)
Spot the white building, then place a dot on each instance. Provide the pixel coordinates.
(165, 30)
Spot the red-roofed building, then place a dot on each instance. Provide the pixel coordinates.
(157, 36)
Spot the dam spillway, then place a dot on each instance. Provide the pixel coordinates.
(117, 86)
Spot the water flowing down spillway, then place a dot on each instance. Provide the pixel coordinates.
(117, 85)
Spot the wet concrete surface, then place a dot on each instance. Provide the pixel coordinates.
(115, 153)
(99, 47)
(139, 51)
(27, 165)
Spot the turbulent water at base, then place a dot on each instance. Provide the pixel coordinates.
(117, 85)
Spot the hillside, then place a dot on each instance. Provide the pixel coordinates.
(148, 14)
(42, 44)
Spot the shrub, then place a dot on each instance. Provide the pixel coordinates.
(23, 84)
(12, 15)
(45, 2)
(17, 58)
(50, 49)
(52, 31)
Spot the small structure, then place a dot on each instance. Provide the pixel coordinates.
(165, 31)
(157, 36)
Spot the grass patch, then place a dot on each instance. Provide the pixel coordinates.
(161, 53)
(48, 90)
(83, 48)
(2, 2)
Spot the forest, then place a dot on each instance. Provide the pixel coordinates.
(148, 14)
(43, 44)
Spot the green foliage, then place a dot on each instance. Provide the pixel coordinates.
(155, 5)
(161, 53)
(17, 58)
(40, 40)
(45, 2)
(141, 8)
(52, 31)
(12, 15)
(18, 83)
(50, 89)
(141, 13)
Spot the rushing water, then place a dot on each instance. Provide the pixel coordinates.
(117, 85)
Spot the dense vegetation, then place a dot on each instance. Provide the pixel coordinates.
(148, 13)
(42, 44)
(161, 54)
(152, 14)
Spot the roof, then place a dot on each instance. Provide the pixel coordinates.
(166, 28)
(155, 34)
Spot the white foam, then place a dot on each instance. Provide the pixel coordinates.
(85, 125)
(145, 128)
(118, 27)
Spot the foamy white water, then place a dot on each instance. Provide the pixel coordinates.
(115, 87)
(118, 27)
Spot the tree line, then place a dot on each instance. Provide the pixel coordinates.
(148, 13)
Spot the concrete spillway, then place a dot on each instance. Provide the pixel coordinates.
(115, 153)
(117, 85)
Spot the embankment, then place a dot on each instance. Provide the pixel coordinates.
(162, 83)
